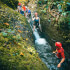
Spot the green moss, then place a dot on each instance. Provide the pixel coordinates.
(17, 52)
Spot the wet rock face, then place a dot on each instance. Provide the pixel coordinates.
(55, 34)
(53, 29)
(68, 7)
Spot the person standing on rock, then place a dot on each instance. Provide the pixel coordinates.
(36, 23)
(60, 54)
(29, 12)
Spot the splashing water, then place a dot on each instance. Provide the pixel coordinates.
(40, 41)
(44, 49)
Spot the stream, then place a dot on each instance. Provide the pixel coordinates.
(44, 50)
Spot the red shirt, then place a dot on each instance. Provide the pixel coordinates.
(60, 53)
(24, 8)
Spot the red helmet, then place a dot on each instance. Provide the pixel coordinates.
(58, 44)
(19, 3)
(36, 13)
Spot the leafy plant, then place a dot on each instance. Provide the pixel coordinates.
(11, 3)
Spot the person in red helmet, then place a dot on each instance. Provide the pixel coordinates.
(19, 4)
(60, 53)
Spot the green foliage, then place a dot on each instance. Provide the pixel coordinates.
(11, 3)
(55, 20)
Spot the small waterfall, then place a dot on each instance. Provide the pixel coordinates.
(44, 49)
(36, 34)
(38, 39)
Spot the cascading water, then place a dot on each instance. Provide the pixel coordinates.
(38, 39)
(44, 49)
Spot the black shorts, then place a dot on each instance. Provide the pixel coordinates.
(36, 24)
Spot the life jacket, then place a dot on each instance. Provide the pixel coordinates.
(60, 53)
(24, 8)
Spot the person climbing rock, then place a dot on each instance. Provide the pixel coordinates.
(29, 12)
(36, 23)
(19, 7)
(60, 54)
(24, 9)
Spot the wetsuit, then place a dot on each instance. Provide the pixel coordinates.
(36, 22)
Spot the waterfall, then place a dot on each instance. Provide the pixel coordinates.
(36, 34)
(43, 48)
(38, 39)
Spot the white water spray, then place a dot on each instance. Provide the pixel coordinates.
(39, 40)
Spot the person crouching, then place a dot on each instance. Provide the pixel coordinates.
(60, 53)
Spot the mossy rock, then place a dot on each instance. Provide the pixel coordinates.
(12, 43)
(4, 33)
